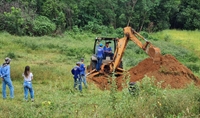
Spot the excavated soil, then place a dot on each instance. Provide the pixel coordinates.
(168, 70)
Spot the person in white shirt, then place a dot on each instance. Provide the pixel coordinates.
(28, 77)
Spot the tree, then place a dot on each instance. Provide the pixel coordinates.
(14, 21)
(161, 14)
(141, 13)
(189, 15)
(54, 11)
(125, 13)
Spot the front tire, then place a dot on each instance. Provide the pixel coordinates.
(91, 66)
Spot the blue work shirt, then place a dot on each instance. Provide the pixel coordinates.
(107, 49)
(0, 71)
(82, 68)
(5, 71)
(76, 72)
(100, 52)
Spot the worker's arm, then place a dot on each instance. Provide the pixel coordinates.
(5, 71)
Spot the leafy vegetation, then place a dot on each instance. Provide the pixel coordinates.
(43, 26)
(51, 59)
(182, 45)
(73, 25)
(19, 17)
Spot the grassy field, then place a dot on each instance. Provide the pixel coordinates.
(187, 39)
(52, 58)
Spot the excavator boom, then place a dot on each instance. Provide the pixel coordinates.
(129, 34)
(151, 50)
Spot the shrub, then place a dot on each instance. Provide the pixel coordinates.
(182, 54)
(14, 21)
(133, 55)
(119, 32)
(144, 34)
(54, 11)
(94, 27)
(11, 55)
(167, 38)
(76, 29)
(2, 23)
(43, 26)
(193, 66)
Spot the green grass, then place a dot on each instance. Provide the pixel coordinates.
(182, 38)
(182, 44)
(52, 58)
(55, 99)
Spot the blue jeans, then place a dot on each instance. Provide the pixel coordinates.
(108, 54)
(84, 80)
(77, 82)
(99, 62)
(28, 87)
(7, 81)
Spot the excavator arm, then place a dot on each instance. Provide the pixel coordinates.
(129, 34)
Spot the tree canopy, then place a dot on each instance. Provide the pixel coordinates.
(43, 17)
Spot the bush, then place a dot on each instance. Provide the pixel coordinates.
(11, 55)
(2, 23)
(144, 34)
(14, 21)
(76, 29)
(167, 38)
(43, 26)
(54, 11)
(133, 55)
(119, 32)
(193, 66)
(94, 27)
(182, 54)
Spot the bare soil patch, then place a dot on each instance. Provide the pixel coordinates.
(169, 71)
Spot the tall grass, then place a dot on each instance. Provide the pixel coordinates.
(52, 58)
(182, 38)
(182, 44)
(57, 99)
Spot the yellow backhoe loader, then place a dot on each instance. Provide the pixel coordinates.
(119, 45)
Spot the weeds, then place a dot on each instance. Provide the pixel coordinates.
(11, 55)
(51, 60)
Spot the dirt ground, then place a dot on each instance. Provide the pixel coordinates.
(169, 71)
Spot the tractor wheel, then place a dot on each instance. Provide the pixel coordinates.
(91, 66)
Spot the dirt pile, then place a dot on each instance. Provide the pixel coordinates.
(168, 70)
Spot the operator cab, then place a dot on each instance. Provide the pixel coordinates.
(112, 43)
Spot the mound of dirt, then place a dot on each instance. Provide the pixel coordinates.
(168, 71)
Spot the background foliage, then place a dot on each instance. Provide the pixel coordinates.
(143, 15)
(78, 22)
(52, 58)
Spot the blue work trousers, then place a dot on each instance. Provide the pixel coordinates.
(99, 62)
(7, 81)
(83, 77)
(28, 87)
(109, 55)
(77, 83)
